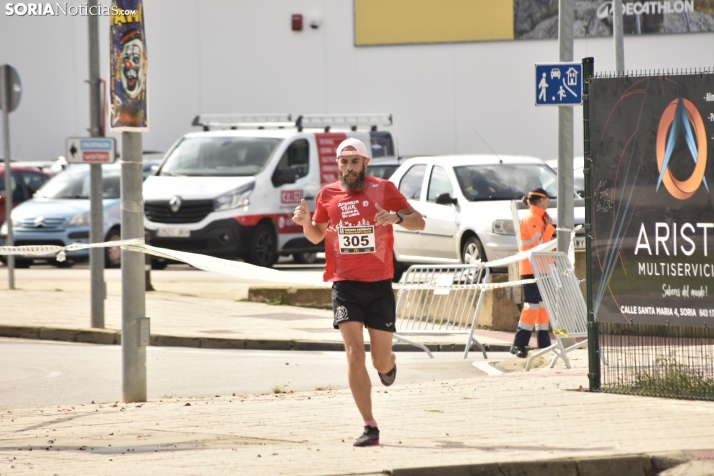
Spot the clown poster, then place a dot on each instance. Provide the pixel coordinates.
(128, 67)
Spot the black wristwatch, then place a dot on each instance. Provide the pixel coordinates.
(401, 218)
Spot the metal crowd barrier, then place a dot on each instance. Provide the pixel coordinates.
(440, 300)
(564, 302)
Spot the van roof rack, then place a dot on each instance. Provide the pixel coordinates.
(234, 121)
(347, 121)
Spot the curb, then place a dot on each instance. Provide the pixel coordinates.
(622, 465)
(110, 337)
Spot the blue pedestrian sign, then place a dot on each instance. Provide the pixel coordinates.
(559, 84)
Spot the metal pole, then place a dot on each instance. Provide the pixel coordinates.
(593, 331)
(617, 34)
(566, 190)
(132, 270)
(96, 189)
(5, 101)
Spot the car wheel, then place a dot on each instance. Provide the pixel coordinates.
(112, 256)
(159, 263)
(22, 263)
(305, 258)
(263, 248)
(68, 263)
(473, 251)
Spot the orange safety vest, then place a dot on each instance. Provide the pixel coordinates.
(534, 231)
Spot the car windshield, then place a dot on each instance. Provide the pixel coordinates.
(219, 156)
(504, 182)
(381, 171)
(76, 185)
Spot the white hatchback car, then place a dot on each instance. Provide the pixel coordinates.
(466, 204)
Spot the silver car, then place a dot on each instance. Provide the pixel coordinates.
(59, 215)
(466, 204)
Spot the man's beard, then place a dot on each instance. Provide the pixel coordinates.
(355, 185)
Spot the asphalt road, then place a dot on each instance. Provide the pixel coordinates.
(42, 373)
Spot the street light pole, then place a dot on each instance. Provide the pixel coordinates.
(618, 36)
(96, 189)
(566, 199)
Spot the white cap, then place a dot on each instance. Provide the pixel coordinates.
(360, 149)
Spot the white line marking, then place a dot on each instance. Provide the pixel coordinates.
(486, 367)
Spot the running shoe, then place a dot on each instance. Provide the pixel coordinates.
(388, 378)
(370, 437)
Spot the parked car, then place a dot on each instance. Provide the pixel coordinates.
(383, 167)
(59, 214)
(578, 176)
(25, 182)
(466, 204)
(151, 160)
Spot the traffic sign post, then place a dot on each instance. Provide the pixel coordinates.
(558, 84)
(91, 150)
(13, 88)
(10, 94)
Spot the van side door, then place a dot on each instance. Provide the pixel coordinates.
(296, 177)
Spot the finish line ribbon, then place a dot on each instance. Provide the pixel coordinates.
(242, 270)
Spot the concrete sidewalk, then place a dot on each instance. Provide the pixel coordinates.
(189, 314)
(509, 422)
(490, 420)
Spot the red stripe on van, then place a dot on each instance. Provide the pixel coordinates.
(283, 221)
(327, 143)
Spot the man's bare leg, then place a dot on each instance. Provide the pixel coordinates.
(360, 384)
(380, 345)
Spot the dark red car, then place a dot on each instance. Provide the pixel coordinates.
(25, 182)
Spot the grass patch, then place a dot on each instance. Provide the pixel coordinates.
(278, 389)
(434, 411)
(667, 378)
(278, 301)
(58, 290)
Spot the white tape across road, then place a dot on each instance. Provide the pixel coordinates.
(239, 269)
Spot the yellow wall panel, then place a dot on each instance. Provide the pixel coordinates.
(393, 22)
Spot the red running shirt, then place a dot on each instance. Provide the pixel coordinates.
(350, 252)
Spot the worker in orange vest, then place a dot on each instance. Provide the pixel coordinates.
(536, 228)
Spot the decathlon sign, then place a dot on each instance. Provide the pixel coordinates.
(91, 150)
(647, 8)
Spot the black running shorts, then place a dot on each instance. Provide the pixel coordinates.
(371, 303)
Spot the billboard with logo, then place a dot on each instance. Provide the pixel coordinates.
(651, 140)
(538, 19)
(128, 66)
(448, 21)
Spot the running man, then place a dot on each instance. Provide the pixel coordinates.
(354, 217)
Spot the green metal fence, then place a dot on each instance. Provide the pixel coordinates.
(658, 361)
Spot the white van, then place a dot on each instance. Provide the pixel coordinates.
(231, 192)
